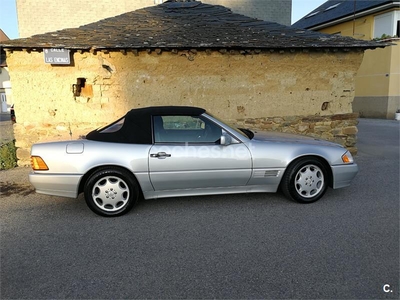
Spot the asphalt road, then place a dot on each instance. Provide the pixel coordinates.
(345, 246)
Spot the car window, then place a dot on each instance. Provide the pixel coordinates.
(113, 127)
(182, 123)
(185, 129)
(242, 132)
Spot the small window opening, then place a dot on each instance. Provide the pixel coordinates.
(82, 89)
(77, 88)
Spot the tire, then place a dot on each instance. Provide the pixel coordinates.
(111, 192)
(305, 180)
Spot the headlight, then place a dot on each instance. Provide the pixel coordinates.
(347, 158)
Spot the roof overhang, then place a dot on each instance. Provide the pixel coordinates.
(356, 15)
(197, 26)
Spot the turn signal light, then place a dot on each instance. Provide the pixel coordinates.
(347, 158)
(38, 164)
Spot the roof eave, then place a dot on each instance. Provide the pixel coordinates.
(353, 16)
(219, 48)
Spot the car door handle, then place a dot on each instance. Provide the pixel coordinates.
(161, 155)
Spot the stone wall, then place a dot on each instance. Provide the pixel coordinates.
(341, 129)
(235, 86)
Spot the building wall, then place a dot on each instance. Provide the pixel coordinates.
(310, 93)
(5, 88)
(4, 77)
(269, 10)
(361, 27)
(5, 84)
(59, 14)
(364, 27)
(377, 81)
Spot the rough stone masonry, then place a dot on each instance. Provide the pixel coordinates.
(303, 92)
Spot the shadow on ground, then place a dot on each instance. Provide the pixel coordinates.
(11, 188)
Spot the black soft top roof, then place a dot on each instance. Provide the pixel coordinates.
(166, 110)
(137, 125)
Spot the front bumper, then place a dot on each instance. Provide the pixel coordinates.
(56, 184)
(343, 175)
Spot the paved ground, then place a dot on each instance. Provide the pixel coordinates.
(5, 116)
(346, 246)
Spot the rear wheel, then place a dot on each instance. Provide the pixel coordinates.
(305, 180)
(111, 192)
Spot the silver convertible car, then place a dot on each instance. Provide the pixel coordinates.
(174, 151)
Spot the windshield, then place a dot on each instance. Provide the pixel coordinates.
(247, 133)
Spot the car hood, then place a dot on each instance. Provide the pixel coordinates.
(290, 138)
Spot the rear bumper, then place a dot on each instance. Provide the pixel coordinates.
(56, 184)
(343, 175)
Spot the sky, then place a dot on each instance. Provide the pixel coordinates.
(9, 23)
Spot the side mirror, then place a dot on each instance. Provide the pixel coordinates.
(226, 139)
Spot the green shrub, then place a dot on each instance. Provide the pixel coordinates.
(8, 156)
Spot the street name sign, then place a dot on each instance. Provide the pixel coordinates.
(56, 56)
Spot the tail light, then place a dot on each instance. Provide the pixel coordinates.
(38, 164)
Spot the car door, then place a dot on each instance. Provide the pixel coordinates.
(187, 154)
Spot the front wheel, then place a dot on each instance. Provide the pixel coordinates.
(111, 192)
(305, 180)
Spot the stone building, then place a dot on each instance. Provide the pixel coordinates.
(5, 84)
(259, 74)
(377, 92)
(60, 14)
